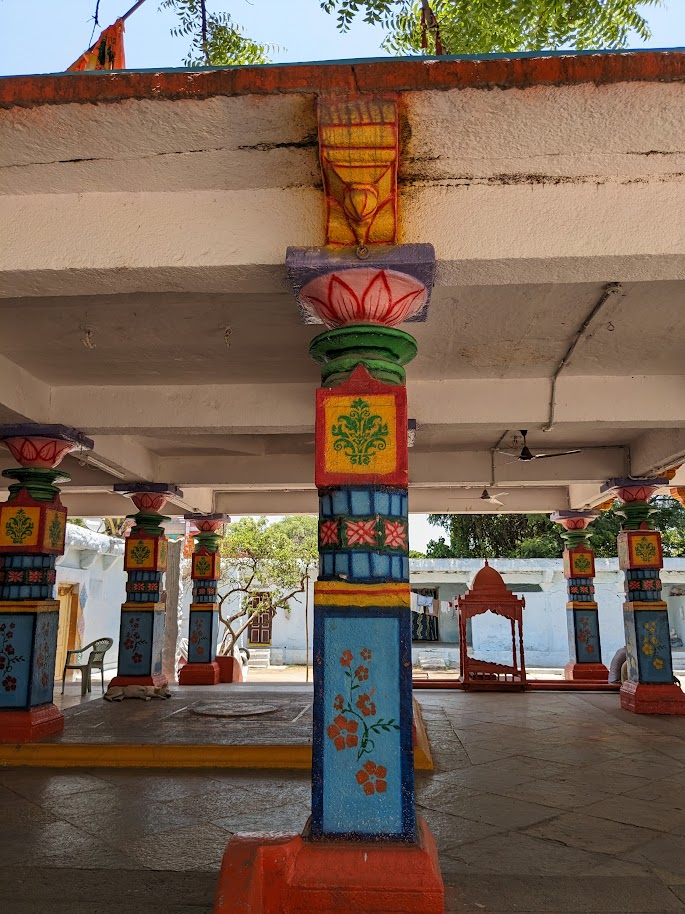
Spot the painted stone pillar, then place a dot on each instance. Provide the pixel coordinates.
(585, 648)
(203, 627)
(363, 848)
(32, 531)
(141, 633)
(650, 688)
(362, 769)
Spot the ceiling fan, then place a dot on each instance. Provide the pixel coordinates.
(526, 453)
(484, 496)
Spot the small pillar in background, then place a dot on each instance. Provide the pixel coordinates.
(32, 530)
(141, 634)
(650, 688)
(203, 628)
(585, 648)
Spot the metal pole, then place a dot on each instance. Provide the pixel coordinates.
(132, 10)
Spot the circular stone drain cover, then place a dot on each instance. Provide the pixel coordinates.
(254, 710)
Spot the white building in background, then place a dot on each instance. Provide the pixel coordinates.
(91, 586)
(440, 581)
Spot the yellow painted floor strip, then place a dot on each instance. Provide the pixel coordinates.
(93, 755)
(98, 755)
(180, 755)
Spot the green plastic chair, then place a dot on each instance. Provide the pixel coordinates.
(96, 660)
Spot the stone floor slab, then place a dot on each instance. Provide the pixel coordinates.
(555, 822)
(592, 833)
(517, 854)
(561, 894)
(634, 811)
(665, 855)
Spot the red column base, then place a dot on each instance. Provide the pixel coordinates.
(642, 698)
(596, 672)
(284, 874)
(159, 682)
(199, 674)
(230, 669)
(31, 725)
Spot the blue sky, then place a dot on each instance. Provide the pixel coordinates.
(46, 36)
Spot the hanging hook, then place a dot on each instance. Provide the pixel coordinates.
(87, 338)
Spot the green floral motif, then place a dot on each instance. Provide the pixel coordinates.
(202, 565)
(582, 563)
(645, 550)
(19, 527)
(140, 552)
(360, 434)
(55, 531)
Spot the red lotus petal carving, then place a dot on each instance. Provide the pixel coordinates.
(364, 295)
(45, 453)
(343, 300)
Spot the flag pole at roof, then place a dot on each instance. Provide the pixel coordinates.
(108, 51)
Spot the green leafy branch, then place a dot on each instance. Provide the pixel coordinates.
(485, 26)
(215, 38)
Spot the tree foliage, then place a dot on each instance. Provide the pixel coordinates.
(528, 536)
(215, 38)
(116, 526)
(265, 565)
(485, 26)
(430, 26)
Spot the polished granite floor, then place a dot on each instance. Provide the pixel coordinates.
(540, 804)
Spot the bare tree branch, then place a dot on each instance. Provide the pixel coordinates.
(205, 46)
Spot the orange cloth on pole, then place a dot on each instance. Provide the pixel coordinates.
(106, 54)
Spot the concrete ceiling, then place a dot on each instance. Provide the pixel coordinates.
(159, 224)
(506, 332)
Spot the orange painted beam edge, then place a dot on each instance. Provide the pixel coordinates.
(406, 74)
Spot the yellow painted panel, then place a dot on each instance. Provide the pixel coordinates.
(368, 439)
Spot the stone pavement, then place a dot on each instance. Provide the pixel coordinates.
(280, 713)
(540, 804)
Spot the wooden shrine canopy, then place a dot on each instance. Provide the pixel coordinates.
(489, 593)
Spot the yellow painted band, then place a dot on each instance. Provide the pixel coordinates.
(398, 600)
(144, 607)
(347, 587)
(656, 604)
(29, 606)
(342, 593)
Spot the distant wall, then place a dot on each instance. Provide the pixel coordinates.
(541, 582)
(96, 564)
